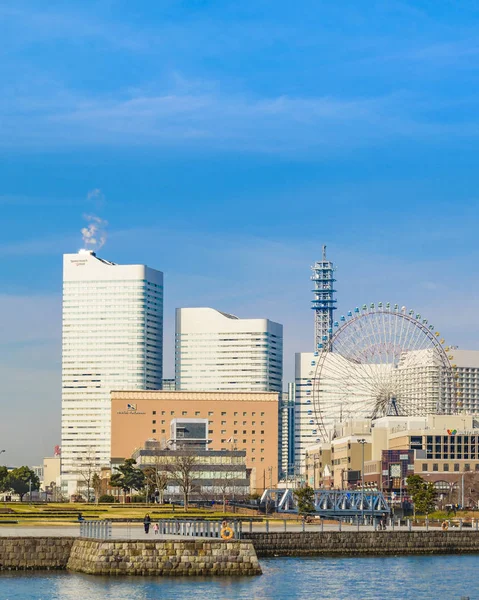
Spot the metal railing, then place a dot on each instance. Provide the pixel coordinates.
(196, 528)
(96, 529)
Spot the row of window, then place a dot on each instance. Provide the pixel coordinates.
(445, 467)
(210, 414)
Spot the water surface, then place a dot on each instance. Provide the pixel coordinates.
(416, 577)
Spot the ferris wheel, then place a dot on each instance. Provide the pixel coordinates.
(381, 360)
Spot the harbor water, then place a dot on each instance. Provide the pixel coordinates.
(416, 577)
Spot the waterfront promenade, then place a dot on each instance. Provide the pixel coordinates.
(134, 531)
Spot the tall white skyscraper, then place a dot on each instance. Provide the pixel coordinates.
(216, 351)
(306, 429)
(112, 340)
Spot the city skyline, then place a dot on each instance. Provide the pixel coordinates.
(224, 145)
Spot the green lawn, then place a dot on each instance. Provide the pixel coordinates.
(66, 513)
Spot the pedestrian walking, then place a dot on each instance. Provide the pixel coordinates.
(147, 523)
(156, 528)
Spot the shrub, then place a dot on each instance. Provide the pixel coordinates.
(106, 499)
(138, 498)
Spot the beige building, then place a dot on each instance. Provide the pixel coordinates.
(236, 421)
(338, 464)
(443, 449)
(317, 465)
(51, 475)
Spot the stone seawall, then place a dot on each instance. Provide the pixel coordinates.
(164, 557)
(34, 552)
(353, 543)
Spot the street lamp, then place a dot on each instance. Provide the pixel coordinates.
(362, 441)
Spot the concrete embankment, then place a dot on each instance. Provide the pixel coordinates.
(165, 557)
(130, 557)
(35, 552)
(361, 543)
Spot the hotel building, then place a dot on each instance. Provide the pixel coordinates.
(236, 421)
(216, 351)
(112, 339)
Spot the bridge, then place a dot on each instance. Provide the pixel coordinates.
(330, 503)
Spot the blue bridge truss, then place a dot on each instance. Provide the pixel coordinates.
(332, 503)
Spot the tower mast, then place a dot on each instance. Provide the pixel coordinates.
(323, 302)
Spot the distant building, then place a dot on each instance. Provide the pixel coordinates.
(188, 434)
(287, 431)
(112, 339)
(167, 385)
(467, 371)
(306, 429)
(51, 471)
(216, 351)
(246, 421)
(214, 473)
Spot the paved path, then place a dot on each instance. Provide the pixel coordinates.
(135, 530)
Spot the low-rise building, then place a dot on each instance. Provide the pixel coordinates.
(246, 421)
(212, 474)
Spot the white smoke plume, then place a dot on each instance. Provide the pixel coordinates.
(94, 235)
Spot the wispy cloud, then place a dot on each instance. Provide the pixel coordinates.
(210, 118)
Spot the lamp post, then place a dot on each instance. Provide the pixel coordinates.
(462, 490)
(362, 441)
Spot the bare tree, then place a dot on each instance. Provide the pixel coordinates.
(89, 468)
(97, 486)
(157, 474)
(181, 466)
(227, 485)
(471, 488)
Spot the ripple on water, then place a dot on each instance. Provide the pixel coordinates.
(415, 577)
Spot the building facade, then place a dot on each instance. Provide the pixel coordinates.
(306, 430)
(215, 474)
(287, 430)
(112, 339)
(236, 421)
(216, 351)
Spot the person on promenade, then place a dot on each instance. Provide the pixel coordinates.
(80, 517)
(156, 528)
(147, 523)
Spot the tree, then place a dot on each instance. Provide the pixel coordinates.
(471, 489)
(96, 485)
(128, 477)
(89, 468)
(22, 480)
(156, 475)
(414, 484)
(3, 479)
(305, 498)
(423, 494)
(226, 484)
(181, 466)
(425, 499)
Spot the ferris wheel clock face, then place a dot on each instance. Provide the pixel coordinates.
(379, 360)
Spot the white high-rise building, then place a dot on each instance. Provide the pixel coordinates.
(216, 351)
(112, 340)
(306, 430)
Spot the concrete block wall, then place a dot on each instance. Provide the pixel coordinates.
(353, 543)
(164, 557)
(21, 553)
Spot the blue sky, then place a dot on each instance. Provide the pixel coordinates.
(229, 141)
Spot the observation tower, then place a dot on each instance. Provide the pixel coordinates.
(324, 302)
